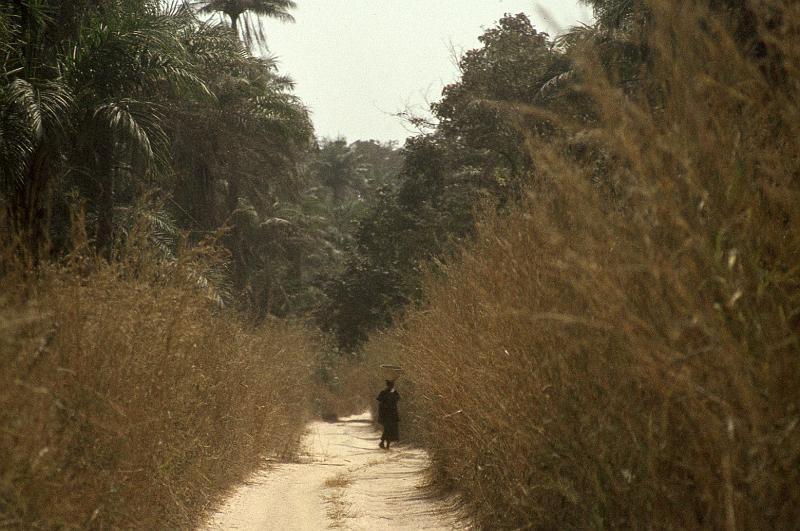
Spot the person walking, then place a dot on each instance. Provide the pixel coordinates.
(388, 415)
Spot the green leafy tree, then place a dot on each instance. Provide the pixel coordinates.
(511, 66)
(338, 167)
(474, 153)
(35, 112)
(314, 231)
(119, 67)
(238, 158)
(425, 216)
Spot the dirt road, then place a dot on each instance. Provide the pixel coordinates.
(343, 480)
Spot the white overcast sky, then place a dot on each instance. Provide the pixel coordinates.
(356, 62)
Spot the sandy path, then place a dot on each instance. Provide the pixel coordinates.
(343, 480)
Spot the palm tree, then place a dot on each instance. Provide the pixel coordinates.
(137, 98)
(122, 72)
(35, 105)
(252, 31)
(236, 157)
(338, 167)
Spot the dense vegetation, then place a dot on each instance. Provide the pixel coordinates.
(478, 154)
(107, 101)
(618, 348)
(130, 110)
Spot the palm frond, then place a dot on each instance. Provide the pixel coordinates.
(162, 230)
(30, 113)
(163, 235)
(555, 84)
(139, 124)
(42, 107)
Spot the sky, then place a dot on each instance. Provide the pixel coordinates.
(356, 63)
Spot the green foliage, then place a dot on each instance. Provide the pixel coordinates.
(342, 181)
(513, 64)
(103, 102)
(475, 154)
(108, 100)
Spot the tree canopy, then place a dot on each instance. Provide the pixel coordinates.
(138, 97)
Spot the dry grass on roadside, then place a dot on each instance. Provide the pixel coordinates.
(338, 509)
(127, 400)
(633, 363)
(339, 481)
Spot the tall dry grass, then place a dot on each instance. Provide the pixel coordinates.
(633, 360)
(349, 389)
(128, 400)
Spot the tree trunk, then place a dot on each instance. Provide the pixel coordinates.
(28, 208)
(235, 23)
(234, 237)
(105, 207)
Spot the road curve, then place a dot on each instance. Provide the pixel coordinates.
(342, 480)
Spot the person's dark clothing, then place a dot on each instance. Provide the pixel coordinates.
(388, 415)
